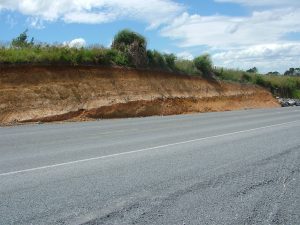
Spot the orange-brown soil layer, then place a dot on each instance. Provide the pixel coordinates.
(57, 93)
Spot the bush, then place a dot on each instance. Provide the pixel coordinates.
(119, 58)
(246, 78)
(133, 45)
(103, 56)
(204, 64)
(161, 61)
(170, 61)
(156, 59)
(125, 38)
(186, 66)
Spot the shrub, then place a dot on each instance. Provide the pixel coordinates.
(170, 60)
(261, 81)
(156, 59)
(102, 56)
(125, 38)
(246, 77)
(186, 66)
(204, 64)
(118, 58)
(133, 45)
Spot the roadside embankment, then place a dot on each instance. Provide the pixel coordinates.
(57, 93)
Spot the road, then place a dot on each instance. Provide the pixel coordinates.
(238, 167)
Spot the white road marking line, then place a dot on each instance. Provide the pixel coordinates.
(142, 150)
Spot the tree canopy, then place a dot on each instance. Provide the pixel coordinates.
(274, 73)
(292, 72)
(22, 41)
(252, 70)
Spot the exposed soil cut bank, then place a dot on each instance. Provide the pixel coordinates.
(48, 93)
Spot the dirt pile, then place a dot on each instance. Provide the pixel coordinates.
(48, 93)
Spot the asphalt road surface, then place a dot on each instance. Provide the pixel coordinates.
(237, 167)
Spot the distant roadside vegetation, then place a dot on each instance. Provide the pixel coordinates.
(280, 85)
(129, 49)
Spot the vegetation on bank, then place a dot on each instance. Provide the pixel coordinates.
(279, 85)
(129, 49)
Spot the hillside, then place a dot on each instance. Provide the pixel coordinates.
(56, 93)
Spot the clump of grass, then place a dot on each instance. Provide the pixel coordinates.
(233, 75)
(187, 67)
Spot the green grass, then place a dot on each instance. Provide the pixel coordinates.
(296, 94)
(230, 74)
(187, 67)
(40, 55)
(61, 55)
(284, 86)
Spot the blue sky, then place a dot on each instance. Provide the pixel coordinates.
(237, 33)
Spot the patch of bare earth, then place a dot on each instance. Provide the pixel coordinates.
(58, 93)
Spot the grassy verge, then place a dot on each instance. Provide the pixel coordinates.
(284, 86)
(63, 55)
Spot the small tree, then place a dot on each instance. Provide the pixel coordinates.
(204, 64)
(252, 70)
(274, 73)
(132, 44)
(292, 72)
(22, 41)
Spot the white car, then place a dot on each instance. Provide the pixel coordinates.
(291, 102)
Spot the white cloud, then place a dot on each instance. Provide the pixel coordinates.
(266, 57)
(263, 2)
(242, 42)
(35, 22)
(222, 31)
(153, 12)
(76, 43)
(185, 55)
(88, 17)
